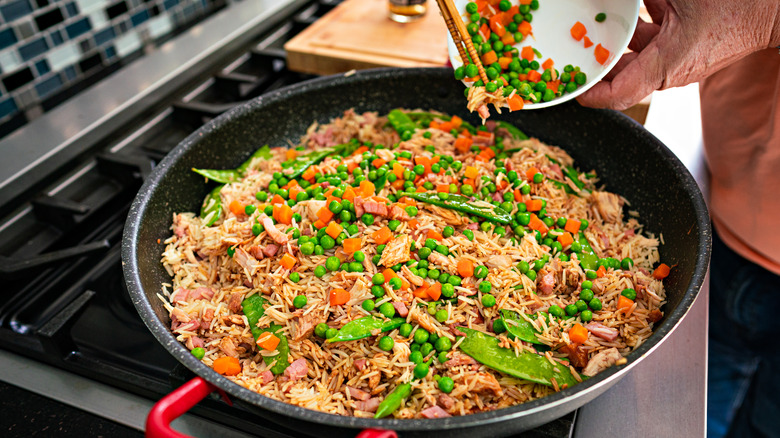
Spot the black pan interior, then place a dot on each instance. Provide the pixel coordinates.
(628, 159)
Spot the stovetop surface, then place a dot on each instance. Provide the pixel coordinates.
(64, 301)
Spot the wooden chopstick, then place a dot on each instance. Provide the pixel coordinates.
(460, 35)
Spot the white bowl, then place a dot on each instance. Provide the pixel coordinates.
(551, 36)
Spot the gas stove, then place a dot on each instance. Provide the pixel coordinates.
(68, 331)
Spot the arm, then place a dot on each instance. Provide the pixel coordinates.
(687, 41)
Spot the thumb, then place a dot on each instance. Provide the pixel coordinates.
(638, 78)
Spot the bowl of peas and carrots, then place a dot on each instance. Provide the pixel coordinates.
(545, 51)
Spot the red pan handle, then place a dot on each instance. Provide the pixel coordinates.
(175, 404)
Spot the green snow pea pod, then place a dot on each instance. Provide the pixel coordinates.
(253, 309)
(527, 366)
(465, 205)
(393, 400)
(362, 328)
(211, 210)
(516, 133)
(518, 326)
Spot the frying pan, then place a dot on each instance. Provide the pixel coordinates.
(629, 160)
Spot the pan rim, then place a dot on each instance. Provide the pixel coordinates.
(579, 391)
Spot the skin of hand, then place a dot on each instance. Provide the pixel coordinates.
(687, 41)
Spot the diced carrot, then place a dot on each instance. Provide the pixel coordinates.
(338, 297)
(515, 102)
(553, 85)
(276, 200)
(503, 184)
(529, 174)
(435, 159)
(548, 64)
(578, 334)
(367, 187)
(351, 245)
(456, 122)
(442, 188)
(435, 124)
(432, 234)
(292, 183)
(465, 268)
(283, 214)
(378, 163)
(465, 133)
(537, 224)
(421, 189)
(360, 150)
(294, 191)
(434, 292)
(398, 170)
(534, 76)
(484, 30)
(318, 224)
(408, 201)
(661, 272)
(565, 239)
(525, 2)
(462, 144)
(522, 76)
(489, 57)
(414, 224)
(624, 303)
(382, 236)
(469, 182)
(510, 14)
(388, 274)
(236, 208)
(421, 292)
(578, 31)
(527, 53)
(503, 61)
(518, 195)
(601, 54)
(601, 271)
(405, 284)
(349, 194)
(268, 341)
(425, 161)
(325, 215)
(497, 25)
(290, 154)
(334, 230)
(446, 126)
(227, 366)
(309, 173)
(397, 184)
(352, 166)
(482, 158)
(587, 42)
(287, 261)
(525, 28)
(471, 172)
(572, 226)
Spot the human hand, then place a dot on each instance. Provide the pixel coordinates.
(687, 41)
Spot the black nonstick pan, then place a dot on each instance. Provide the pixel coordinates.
(628, 159)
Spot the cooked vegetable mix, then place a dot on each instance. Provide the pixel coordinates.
(411, 265)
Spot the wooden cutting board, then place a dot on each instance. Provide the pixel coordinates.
(358, 34)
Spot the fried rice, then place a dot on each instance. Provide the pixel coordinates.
(215, 268)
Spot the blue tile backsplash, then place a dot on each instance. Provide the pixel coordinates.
(46, 47)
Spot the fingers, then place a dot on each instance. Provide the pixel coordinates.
(656, 9)
(621, 64)
(644, 33)
(638, 78)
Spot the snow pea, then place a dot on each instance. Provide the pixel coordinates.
(225, 176)
(575, 177)
(400, 121)
(263, 152)
(465, 205)
(516, 133)
(362, 328)
(421, 116)
(393, 400)
(520, 327)
(254, 310)
(212, 206)
(380, 183)
(527, 366)
(295, 167)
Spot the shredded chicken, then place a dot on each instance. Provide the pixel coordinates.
(608, 206)
(601, 361)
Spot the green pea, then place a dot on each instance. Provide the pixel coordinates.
(441, 249)
(580, 78)
(387, 310)
(198, 352)
(332, 263)
(448, 231)
(485, 287)
(307, 248)
(321, 329)
(481, 271)
(581, 305)
(421, 369)
(571, 310)
(368, 305)
(327, 242)
(629, 293)
(405, 330)
(600, 17)
(441, 316)
(626, 264)
(499, 326)
(355, 267)
(393, 224)
(453, 280)
(331, 333)
(555, 310)
(488, 300)
(586, 315)
(414, 347)
(595, 304)
(469, 234)
(386, 343)
(586, 295)
(319, 250)
(416, 357)
(587, 284)
(447, 290)
(295, 277)
(319, 271)
(426, 348)
(411, 211)
(378, 291)
(395, 283)
(446, 385)
(300, 301)
(421, 336)
(591, 274)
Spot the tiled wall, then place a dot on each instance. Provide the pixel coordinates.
(50, 46)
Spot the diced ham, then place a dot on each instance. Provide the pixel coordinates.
(266, 376)
(601, 361)
(556, 172)
(360, 364)
(401, 309)
(270, 250)
(272, 231)
(297, 370)
(323, 139)
(256, 251)
(249, 263)
(369, 405)
(602, 331)
(397, 251)
(446, 401)
(498, 197)
(358, 394)
(459, 359)
(208, 316)
(194, 342)
(545, 283)
(490, 125)
(396, 212)
(655, 315)
(454, 330)
(373, 207)
(484, 113)
(499, 262)
(235, 302)
(434, 412)
(630, 232)
(472, 226)
(577, 355)
(306, 324)
(359, 210)
(180, 295)
(202, 293)
(443, 261)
